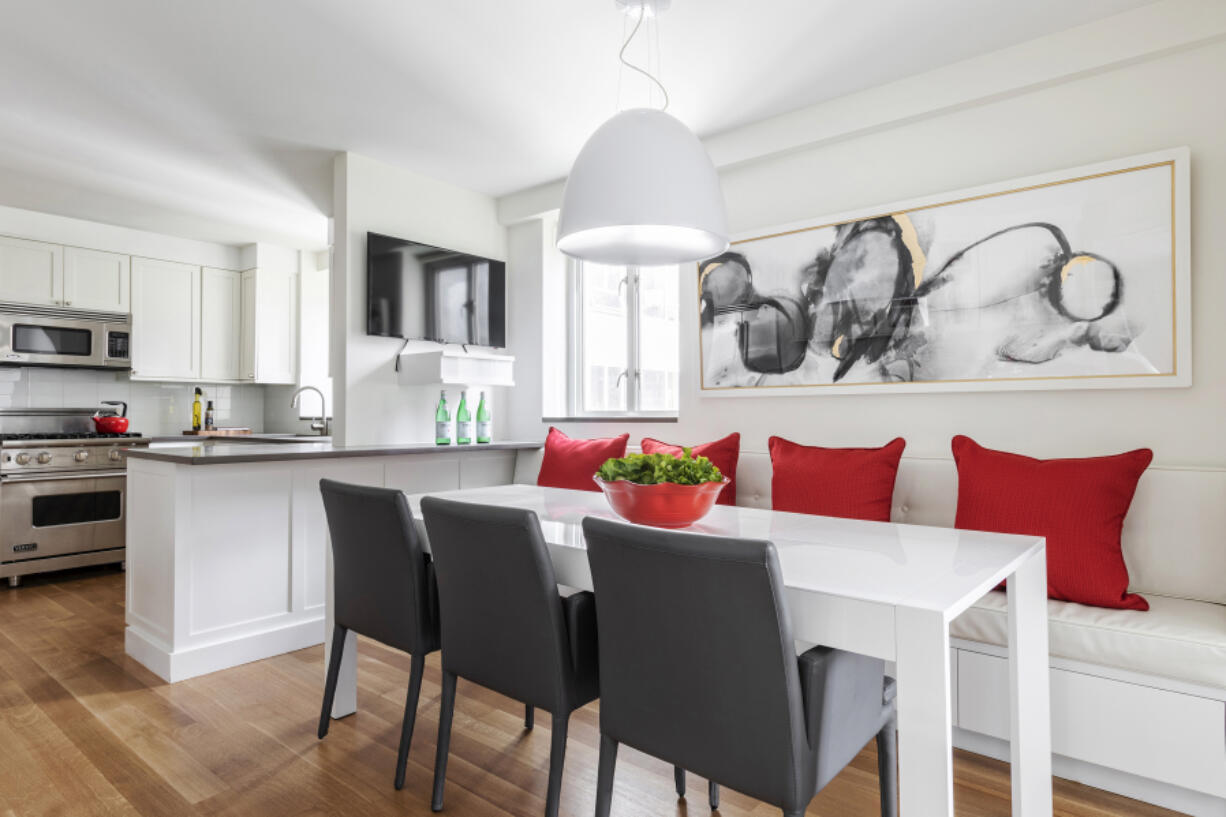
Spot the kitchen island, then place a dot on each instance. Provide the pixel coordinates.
(227, 543)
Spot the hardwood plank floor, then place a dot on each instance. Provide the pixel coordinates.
(85, 730)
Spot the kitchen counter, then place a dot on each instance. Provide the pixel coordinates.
(229, 563)
(214, 451)
(258, 437)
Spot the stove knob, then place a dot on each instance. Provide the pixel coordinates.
(44, 458)
(81, 456)
(23, 459)
(114, 455)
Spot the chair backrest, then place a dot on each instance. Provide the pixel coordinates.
(697, 661)
(382, 579)
(501, 614)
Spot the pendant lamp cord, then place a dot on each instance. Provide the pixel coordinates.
(621, 55)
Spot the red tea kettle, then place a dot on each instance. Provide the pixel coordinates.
(112, 423)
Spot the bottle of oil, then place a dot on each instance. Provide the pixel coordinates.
(208, 417)
(196, 410)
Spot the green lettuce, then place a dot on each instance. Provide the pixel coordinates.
(653, 469)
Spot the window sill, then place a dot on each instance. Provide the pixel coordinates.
(614, 418)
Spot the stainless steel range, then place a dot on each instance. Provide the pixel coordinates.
(62, 491)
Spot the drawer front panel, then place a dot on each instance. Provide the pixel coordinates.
(1167, 736)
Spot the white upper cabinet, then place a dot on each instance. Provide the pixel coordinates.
(31, 272)
(96, 280)
(165, 320)
(270, 324)
(220, 324)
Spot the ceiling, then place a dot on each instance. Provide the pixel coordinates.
(218, 120)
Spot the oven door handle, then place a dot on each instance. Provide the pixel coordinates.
(57, 477)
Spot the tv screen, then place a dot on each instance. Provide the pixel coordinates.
(417, 291)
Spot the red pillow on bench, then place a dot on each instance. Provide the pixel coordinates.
(853, 483)
(1078, 504)
(723, 454)
(571, 463)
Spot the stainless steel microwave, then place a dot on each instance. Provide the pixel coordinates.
(44, 336)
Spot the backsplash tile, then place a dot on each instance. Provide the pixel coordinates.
(156, 409)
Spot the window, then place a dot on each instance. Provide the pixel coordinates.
(623, 331)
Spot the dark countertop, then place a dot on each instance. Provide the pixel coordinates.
(266, 438)
(223, 452)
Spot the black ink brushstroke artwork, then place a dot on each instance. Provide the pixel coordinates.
(1062, 281)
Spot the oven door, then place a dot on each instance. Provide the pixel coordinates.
(42, 340)
(45, 515)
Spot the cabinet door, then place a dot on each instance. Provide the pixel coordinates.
(165, 320)
(276, 338)
(31, 272)
(96, 280)
(220, 324)
(247, 367)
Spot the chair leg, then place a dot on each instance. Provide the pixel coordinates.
(557, 758)
(529, 716)
(887, 768)
(604, 775)
(679, 780)
(446, 711)
(334, 671)
(713, 794)
(410, 716)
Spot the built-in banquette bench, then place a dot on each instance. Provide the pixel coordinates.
(1138, 698)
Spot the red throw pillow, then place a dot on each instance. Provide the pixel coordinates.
(571, 463)
(853, 483)
(723, 454)
(1078, 504)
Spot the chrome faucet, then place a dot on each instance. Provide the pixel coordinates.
(320, 425)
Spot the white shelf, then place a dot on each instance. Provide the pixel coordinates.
(434, 364)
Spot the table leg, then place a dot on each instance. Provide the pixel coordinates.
(925, 717)
(1030, 689)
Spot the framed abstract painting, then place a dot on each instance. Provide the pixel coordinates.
(1070, 280)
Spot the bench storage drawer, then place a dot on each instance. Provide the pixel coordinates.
(1155, 733)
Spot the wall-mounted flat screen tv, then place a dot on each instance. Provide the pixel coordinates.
(414, 290)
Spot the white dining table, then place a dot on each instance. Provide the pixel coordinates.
(873, 588)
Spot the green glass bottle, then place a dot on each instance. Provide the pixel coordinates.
(463, 422)
(483, 421)
(442, 421)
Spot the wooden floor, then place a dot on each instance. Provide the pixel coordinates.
(85, 730)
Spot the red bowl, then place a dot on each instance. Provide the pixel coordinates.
(666, 505)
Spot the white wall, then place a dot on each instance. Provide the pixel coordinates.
(155, 409)
(369, 196)
(1152, 102)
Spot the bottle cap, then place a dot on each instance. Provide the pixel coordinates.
(210, 404)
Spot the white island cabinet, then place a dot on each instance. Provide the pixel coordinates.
(227, 543)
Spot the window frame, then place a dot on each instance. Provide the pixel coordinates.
(575, 380)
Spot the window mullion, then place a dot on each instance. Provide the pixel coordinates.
(632, 339)
(575, 387)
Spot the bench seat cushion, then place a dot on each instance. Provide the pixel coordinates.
(1175, 638)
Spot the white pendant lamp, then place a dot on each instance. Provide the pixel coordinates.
(643, 190)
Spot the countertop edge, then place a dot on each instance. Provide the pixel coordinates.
(316, 451)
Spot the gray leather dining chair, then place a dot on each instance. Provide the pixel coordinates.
(698, 668)
(505, 624)
(383, 588)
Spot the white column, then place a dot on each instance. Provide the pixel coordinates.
(925, 720)
(1030, 689)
